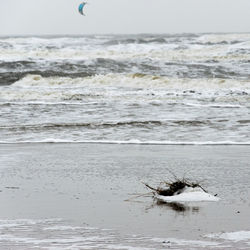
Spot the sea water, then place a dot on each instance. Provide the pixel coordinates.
(152, 89)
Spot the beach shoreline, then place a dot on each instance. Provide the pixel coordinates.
(89, 183)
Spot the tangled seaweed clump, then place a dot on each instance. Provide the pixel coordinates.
(178, 191)
(174, 187)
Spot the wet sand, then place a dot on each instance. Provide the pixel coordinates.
(87, 185)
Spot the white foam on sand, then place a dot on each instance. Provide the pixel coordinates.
(183, 242)
(189, 194)
(233, 236)
(27, 234)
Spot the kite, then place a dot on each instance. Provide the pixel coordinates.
(80, 8)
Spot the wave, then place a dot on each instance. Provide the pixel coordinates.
(136, 80)
(136, 142)
(104, 125)
(8, 78)
(175, 47)
(154, 40)
(94, 125)
(217, 105)
(156, 103)
(137, 88)
(230, 38)
(162, 52)
(12, 71)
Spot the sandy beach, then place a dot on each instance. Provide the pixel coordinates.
(70, 188)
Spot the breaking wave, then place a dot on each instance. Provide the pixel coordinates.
(88, 125)
(14, 71)
(136, 80)
(133, 88)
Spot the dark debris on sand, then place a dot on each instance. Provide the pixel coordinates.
(174, 187)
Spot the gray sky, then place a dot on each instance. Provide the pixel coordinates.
(24, 17)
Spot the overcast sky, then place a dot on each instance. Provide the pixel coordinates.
(25, 17)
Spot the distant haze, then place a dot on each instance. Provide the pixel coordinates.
(51, 17)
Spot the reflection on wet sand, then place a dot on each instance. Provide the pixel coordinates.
(176, 206)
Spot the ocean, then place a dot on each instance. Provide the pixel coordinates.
(150, 89)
